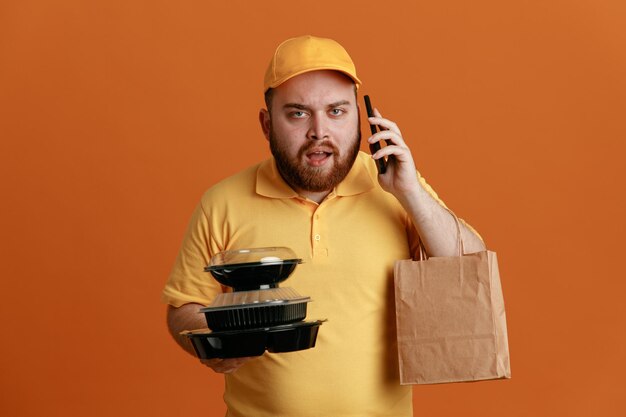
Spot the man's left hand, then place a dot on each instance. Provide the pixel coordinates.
(401, 177)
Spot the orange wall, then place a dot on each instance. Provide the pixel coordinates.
(116, 115)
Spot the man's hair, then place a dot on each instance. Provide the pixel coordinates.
(269, 94)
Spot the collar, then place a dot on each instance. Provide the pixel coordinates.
(269, 183)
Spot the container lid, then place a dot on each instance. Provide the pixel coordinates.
(253, 269)
(260, 256)
(254, 297)
(258, 304)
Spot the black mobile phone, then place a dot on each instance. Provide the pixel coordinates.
(381, 164)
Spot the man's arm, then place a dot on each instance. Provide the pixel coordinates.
(186, 317)
(435, 225)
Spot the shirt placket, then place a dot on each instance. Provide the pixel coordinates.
(319, 232)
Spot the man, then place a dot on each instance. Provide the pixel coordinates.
(323, 198)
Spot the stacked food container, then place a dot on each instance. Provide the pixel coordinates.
(257, 315)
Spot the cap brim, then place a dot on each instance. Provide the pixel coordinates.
(278, 82)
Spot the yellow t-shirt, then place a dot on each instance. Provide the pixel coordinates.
(348, 244)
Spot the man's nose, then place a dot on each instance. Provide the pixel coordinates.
(318, 128)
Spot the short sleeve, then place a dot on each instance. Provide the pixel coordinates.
(188, 283)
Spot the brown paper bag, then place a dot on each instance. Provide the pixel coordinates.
(450, 319)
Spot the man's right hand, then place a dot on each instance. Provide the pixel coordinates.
(225, 366)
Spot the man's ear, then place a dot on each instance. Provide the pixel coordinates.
(264, 120)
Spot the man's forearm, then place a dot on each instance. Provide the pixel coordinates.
(185, 317)
(437, 227)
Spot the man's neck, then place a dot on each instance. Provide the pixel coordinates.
(318, 197)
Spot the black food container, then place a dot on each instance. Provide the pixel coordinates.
(254, 342)
(250, 269)
(249, 316)
(290, 338)
(231, 344)
(257, 315)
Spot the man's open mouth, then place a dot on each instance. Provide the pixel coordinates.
(318, 158)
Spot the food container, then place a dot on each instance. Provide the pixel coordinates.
(293, 337)
(254, 342)
(251, 269)
(231, 344)
(246, 316)
(257, 315)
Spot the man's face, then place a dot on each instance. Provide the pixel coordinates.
(314, 130)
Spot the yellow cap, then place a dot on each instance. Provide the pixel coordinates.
(296, 56)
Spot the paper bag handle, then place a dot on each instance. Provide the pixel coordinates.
(422, 253)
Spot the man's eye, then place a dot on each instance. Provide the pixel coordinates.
(297, 114)
(336, 112)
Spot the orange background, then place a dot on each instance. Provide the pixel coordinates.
(116, 115)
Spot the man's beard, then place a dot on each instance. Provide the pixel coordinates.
(314, 179)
